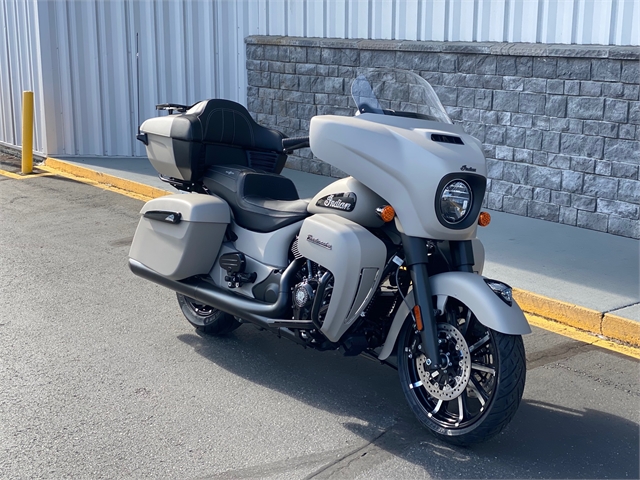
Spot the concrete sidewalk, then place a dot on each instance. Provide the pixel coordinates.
(586, 279)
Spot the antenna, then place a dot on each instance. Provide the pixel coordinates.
(138, 79)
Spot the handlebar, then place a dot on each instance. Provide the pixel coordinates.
(294, 143)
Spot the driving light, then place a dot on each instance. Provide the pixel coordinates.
(455, 201)
(502, 290)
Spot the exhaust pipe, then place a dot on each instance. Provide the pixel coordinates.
(265, 315)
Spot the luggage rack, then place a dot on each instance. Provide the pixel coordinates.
(180, 184)
(172, 106)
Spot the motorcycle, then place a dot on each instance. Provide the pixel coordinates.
(383, 263)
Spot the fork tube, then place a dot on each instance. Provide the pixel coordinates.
(416, 256)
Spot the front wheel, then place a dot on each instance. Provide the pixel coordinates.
(477, 394)
(206, 319)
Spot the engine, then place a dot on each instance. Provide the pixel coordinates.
(311, 296)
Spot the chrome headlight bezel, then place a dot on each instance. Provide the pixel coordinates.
(462, 204)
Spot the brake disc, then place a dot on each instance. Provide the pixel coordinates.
(447, 383)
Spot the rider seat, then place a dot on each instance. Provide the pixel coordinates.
(261, 202)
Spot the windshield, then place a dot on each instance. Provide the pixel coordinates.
(397, 92)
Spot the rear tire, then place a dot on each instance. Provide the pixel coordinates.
(206, 319)
(485, 379)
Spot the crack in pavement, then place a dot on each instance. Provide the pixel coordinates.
(621, 308)
(336, 466)
(563, 351)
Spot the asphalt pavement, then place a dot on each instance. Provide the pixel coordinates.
(101, 377)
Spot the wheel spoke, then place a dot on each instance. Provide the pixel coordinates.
(461, 409)
(483, 368)
(480, 343)
(476, 388)
(438, 405)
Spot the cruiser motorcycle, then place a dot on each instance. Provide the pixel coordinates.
(383, 263)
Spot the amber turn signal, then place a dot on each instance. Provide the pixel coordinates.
(386, 213)
(418, 314)
(484, 219)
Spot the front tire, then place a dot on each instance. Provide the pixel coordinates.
(206, 319)
(478, 393)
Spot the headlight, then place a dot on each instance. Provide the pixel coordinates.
(455, 201)
(502, 290)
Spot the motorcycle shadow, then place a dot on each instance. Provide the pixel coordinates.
(543, 440)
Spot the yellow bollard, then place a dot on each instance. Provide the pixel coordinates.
(27, 132)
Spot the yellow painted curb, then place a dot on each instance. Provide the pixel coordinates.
(621, 328)
(582, 336)
(563, 312)
(20, 176)
(106, 179)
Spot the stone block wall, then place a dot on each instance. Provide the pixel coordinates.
(560, 124)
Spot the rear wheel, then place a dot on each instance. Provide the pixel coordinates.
(206, 319)
(476, 395)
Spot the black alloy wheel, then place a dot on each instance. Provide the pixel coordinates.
(205, 318)
(478, 390)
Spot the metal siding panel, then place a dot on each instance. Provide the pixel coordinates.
(277, 17)
(560, 25)
(336, 19)
(407, 19)
(229, 54)
(295, 18)
(437, 21)
(382, 15)
(7, 106)
(634, 28)
(242, 14)
(53, 129)
(15, 74)
(89, 126)
(116, 79)
(630, 31)
(358, 19)
(490, 21)
(463, 20)
(36, 76)
(315, 18)
(66, 98)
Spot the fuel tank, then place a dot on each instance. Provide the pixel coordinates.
(350, 199)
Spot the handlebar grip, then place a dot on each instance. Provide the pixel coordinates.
(294, 143)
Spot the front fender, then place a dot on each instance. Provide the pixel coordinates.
(471, 290)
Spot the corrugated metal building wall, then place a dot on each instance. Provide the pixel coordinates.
(80, 56)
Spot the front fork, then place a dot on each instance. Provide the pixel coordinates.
(417, 258)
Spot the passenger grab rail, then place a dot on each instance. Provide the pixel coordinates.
(294, 143)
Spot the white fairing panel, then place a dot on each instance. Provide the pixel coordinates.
(353, 255)
(396, 158)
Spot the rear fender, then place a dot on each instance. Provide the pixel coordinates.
(471, 290)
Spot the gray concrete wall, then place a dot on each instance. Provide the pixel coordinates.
(560, 124)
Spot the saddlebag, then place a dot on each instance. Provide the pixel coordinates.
(211, 132)
(179, 236)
